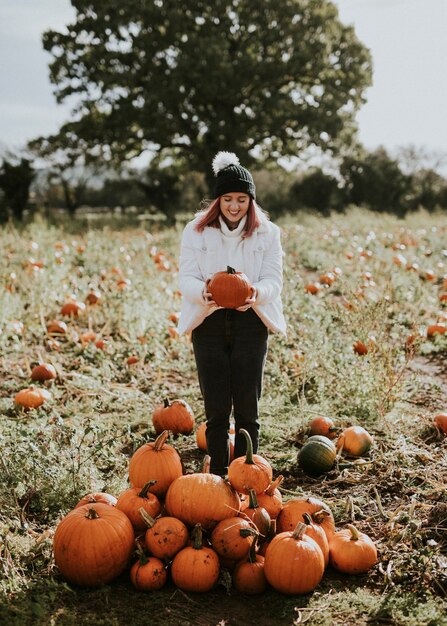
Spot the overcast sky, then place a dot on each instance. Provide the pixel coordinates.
(406, 105)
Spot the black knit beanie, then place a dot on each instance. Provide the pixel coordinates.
(231, 176)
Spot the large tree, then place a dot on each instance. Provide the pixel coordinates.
(265, 78)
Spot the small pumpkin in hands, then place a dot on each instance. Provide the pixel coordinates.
(352, 551)
(355, 441)
(229, 289)
(176, 416)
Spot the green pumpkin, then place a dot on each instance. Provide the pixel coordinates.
(317, 455)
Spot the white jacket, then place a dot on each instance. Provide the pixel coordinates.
(199, 260)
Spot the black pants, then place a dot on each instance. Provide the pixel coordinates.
(230, 349)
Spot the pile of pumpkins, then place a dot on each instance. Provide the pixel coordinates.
(189, 526)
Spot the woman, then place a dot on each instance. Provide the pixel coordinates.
(230, 345)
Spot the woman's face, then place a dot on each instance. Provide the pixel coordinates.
(234, 206)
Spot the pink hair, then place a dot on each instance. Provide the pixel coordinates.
(210, 217)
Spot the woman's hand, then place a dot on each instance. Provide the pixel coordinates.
(207, 295)
(249, 301)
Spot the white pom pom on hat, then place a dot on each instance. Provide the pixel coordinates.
(223, 159)
(231, 176)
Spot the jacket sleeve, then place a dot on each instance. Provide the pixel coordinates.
(191, 281)
(270, 281)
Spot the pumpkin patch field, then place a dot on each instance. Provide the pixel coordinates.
(108, 514)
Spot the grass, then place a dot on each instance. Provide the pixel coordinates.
(101, 408)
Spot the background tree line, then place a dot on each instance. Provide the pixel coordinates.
(267, 80)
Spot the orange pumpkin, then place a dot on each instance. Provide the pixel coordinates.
(351, 551)
(202, 498)
(92, 545)
(440, 422)
(93, 297)
(360, 348)
(229, 289)
(57, 327)
(322, 425)
(165, 536)
(228, 540)
(294, 562)
(201, 437)
(131, 500)
(131, 360)
(195, 568)
(155, 461)
(176, 416)
(271, 498)
(293, 510)
(73, 309)
(257, 514)
(313, 288)
(248, 574)
(317, 533)
(99, 497)
(355, 440)
(32, 397)
(148, 574)
(44, 371)
(251, 471)
(436, 329)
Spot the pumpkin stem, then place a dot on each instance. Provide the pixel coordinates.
(145, 489)
(161, 440)
(307, 519)
(206, 464)
(142, 556)
(230, 270)
(253, 500)
(92, 514)
(166, 403)
(319, 516)
(299, 531)
(272, 530)
(147, 519)
(355, 535)
(249, 453)
(340, 445)
(197, 537)
(274, 485)
(248, 532)
(252, 551)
